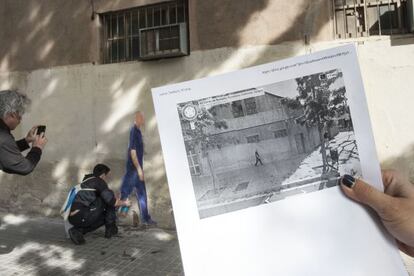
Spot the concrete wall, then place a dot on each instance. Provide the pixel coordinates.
(243, 155)
(45, 33)
(88, 110)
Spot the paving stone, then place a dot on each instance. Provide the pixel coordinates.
(37, 246)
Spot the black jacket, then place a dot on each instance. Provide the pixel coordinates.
(87, 198)
(11, 159)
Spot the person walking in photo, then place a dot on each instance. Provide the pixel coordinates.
(258, 159)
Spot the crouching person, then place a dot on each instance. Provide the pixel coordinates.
(92, 206)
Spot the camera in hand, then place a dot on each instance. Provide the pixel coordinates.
(40, 130)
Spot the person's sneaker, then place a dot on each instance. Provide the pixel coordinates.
(150, 222)
(76, 236)
(110, 231)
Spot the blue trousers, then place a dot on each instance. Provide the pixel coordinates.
(131, 181)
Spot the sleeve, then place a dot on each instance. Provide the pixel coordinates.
(133, 139)
(14, 162)
(104, 192)
(22, 144)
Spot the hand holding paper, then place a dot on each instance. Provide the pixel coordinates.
(395, 206)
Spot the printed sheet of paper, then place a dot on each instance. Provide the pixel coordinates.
(253, 159)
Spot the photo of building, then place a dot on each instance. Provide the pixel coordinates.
(264, 144)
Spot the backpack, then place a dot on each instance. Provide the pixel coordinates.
(65, 210)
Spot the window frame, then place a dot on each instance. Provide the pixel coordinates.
(256, 138)
(139, 17)
(399, 14)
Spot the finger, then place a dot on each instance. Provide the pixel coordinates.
(362, 192)
(33, 129)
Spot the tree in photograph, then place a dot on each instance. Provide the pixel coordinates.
(320, 103)
(196, 135)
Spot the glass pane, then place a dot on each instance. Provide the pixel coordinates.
(388, 17)
(121, 25)
(128, 21)
(164, 15)
(121, 49)
(142, 44)
(114, 26)
(135, 48)
(173, 15)
(142, 15)
(372, 20)
(157, 17)
(108, 26)
(150, 22)
(134, 27)
(109, 51)
(114, 51)
(180, 14)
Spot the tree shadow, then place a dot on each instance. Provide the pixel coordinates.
(38, 247)
(106, 96)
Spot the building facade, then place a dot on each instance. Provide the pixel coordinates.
(89, 65)
(261, 124)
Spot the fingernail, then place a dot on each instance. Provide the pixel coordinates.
(348, 181)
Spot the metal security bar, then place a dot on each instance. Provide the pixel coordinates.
(121, 29)
(358, 18)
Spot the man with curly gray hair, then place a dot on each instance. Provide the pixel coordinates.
(12, 107)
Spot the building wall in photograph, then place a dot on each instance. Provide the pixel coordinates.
(51, 51)
(271, 130)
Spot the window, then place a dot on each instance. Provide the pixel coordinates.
(237, 109)
(280, 133)
(194, 163)
(250, 104)
(244, 107)
(253, 139)
(356, 18)
(147, 32)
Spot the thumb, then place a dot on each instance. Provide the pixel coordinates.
(366, 194)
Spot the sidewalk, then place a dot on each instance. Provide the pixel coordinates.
(37, 246)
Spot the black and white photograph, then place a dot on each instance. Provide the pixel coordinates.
(264, 144)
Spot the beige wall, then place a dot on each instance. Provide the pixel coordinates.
(39, 34)
(45, 33)
(88, 110)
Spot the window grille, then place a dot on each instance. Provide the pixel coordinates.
(358, 18)
(193, 163)
(128, 34)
